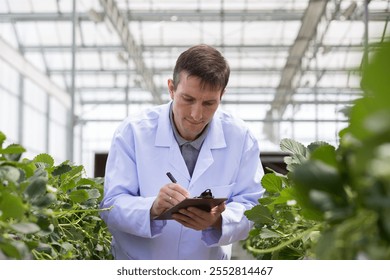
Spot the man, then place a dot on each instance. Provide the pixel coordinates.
(203, 148)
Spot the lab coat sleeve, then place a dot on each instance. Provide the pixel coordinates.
(247, 191)
(129, 212)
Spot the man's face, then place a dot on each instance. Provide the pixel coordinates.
(193, 107)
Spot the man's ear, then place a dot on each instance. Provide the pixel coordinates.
(171, 88)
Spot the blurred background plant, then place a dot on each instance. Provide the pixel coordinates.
(49, 211)
(334, 203)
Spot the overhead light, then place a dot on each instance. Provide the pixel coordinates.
(95, 16)
(348, 12)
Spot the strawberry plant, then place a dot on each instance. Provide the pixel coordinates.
(334, 202)
(49, 211)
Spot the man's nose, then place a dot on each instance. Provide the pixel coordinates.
(196, 112)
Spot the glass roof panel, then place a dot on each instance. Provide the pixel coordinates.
(43, 6)
(27, 33)
(57, 60)
(8, 33)
(4, 7)
(20, 6)
(37, 60)
(88, 61)
(258, 38)
(344, 32)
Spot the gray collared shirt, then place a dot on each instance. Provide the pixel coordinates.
(189, 149)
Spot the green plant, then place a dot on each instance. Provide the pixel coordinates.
(334, 203)
(49, 211)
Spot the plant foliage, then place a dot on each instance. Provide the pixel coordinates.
(49, 211)
(334, 203)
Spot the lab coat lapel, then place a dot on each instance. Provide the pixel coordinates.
(177, 162)
(165, 138)
(214, 140)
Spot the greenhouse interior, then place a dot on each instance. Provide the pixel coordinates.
(72, 71)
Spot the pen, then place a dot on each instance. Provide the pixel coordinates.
(170, 176)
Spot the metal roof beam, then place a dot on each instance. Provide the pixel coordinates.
(186, 16)
(333, 120)
(168, 48)
(159, 15)
(239, 91)
(224, 102)
(315, 10)
(120, 24)
(167, 70)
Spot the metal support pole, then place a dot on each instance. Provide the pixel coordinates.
(72, 91)
(21, 110)
(47, 123)
(365, 55)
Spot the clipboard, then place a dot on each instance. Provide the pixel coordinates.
(205, 204)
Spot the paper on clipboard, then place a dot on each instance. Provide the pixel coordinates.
(202, 203)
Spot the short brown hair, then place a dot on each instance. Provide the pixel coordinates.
(205, 62)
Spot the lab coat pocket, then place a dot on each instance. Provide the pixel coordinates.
(222, 191)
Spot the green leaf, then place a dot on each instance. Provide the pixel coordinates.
(287, 194)
(76, 171)
(41, 173)
(79, 196)
(293, 147)
(36, 189)
(321, 200)
(11, 173)
(2, 139)
(271, 183)
(13, 152)
(45, 225)
(67, 246)
(13, 149)
(385, 220)
(317, 144)
(265, 200)
(266, 167)
(315, 174)
(25, 228)
(44, 158)
(358, 115)
(297, 159)
(260, 215)
(62, 169)
(291, 167)
(267, 233)
(378, 122)
(375, 76)
(11, 249)
(28, 168)
(100, 180)
(320, 177)
(68, 185)
(326, 154)
(45, 200)
(11, 206)
(86, 181)
(93, 193)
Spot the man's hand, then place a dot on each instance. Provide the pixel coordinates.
(198, 219)
(168, 196)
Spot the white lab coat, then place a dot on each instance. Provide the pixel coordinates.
(142, 151)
